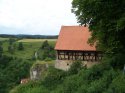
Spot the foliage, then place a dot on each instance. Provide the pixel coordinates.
(75, 67)
(11, 46)
(106, 20)
(31, 87)
(11, 49)
(12, 70)
(53, 78)
(119, 61)
(46, 51)
(15, 66)
(118, 85)
(20, 46)
(6, 36)
(30, 47)
(1, 50)
(11, 41)
(101, 78)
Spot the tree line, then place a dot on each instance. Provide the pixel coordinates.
(29, 36)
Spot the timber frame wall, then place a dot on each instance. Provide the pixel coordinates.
(79, 55)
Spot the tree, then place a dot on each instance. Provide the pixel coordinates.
(11, 49)
(20, 46)
(46, 51)
(106, 20)
(75, 67)
(11, 41)
(45, 45)
(1, 50)
(12, 71)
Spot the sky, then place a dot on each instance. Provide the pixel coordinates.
(44, 17)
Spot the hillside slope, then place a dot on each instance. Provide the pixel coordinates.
(107, 77)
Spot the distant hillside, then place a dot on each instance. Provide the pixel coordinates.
(29, 36)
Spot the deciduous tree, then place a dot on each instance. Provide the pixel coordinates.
(106, 20)
(20, 46)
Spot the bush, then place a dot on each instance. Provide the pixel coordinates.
(118, 61)
(117, 85)
(48, 59)
(75, 67)
(46, 51)
(101, 78)
(31, 87)
(12, 71)
(20, 46)
(1, 50)
(11, 49)
(53, 78)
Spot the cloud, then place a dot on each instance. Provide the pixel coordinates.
(35, 16)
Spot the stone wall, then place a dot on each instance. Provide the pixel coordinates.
(65, 64)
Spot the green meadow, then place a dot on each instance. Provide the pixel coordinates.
(36, 40)
(3, 39)
(30, 46)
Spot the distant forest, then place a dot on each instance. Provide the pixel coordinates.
(29, 36)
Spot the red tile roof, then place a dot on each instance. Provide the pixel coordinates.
(74, 38)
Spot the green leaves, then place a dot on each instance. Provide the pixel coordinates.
(12, 71)
(106, 21)
(46, 51)
(20, 46)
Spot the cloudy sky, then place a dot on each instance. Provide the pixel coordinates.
(43, 17)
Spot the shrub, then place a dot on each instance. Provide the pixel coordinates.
(48, 59)
(117, 85)
(1, 50)
(12, 71)
(53, 78)
(46, 51)
(20, 46)
(75, 67)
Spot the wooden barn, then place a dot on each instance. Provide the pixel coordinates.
(72, 44)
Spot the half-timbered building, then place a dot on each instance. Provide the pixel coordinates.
(72, 44)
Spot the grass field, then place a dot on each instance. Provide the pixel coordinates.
(36, 40)
(30, 46)
(3, 39)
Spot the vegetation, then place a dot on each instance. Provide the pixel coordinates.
(106, 21)
(1, 50)
(36, 40)
(3, 39)
(29, 48)
(28, 36)
(46, 52)
(20, 46)
(16, 61)
(12, 70)
(101, 78)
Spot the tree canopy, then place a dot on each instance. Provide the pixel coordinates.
(46, 51)
(20, 46)
(106, 20)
